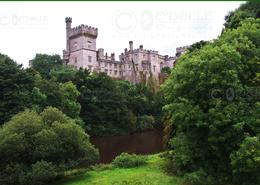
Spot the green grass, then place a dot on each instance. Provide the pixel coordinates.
(150, 174)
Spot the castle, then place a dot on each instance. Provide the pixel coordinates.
(134, 65)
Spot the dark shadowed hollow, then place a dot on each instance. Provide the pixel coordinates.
(148, 142)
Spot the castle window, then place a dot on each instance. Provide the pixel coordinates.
(105, 64)
(110, 71)
(110, 65)
(75, 60)
(106, 71)
(89, 58)
(154, 68)
(115, 65)
(120, 72)
(144, 56)
(115, 72)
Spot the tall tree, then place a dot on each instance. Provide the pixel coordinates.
(15, 88)
(213, 116)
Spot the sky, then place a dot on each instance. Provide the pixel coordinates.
(27, 28)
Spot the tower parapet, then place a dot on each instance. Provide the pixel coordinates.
(68, 20)
(84, 29)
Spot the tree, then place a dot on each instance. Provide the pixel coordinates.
(35, 148)
(44, 63)
(15, 88)
(208, 114)
(249, 9)
(49, 92)
(103, 107)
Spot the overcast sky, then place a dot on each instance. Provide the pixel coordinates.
(27, 28)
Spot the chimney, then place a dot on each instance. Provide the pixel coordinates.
(125, 50)
(113, 56)
(131, 45)
(141, 47)
(106, 55)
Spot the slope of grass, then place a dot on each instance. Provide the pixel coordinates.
(150, 174)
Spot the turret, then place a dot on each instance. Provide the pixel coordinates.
(68, 21)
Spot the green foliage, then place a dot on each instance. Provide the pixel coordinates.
(197, 45)
(145, 122)
(64, 73)
(61, 95)
(44, 63)
(15, 88)
(246, 162)
(126, 160)
(42, 172)
(249, 9)
(166, 70)
(198, 178)
(210, 112)
(103, 107)
(34, 147)
(69, 104)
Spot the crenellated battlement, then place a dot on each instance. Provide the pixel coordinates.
(83, 29)
(68, 19)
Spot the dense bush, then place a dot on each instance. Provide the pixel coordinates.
(35, 148)
(126, 160)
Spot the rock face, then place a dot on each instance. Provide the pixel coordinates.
(134, 65)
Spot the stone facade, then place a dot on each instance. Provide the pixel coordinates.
(134, 65)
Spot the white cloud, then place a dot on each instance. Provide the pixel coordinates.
(27, 28)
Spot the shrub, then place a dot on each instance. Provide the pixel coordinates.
(126, 160)
(34, 147)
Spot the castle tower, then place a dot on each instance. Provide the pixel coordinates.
(81, 46)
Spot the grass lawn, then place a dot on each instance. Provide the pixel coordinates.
(149, 174)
